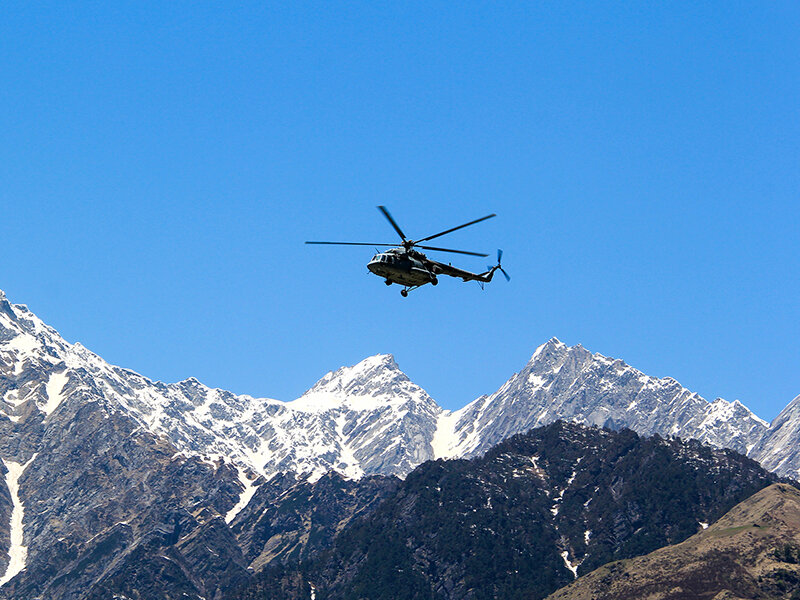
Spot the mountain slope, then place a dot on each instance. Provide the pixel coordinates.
(292, 520)
(114, 483)
(522, 520)
(779, 448)
(752, 552)
(360, 420)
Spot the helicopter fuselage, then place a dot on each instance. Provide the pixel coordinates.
(403, 267)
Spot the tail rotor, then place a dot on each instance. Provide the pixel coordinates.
(499, 268)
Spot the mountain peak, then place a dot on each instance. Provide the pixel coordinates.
(343, 377)
(375, 380)
(549, 348)
(377, 361)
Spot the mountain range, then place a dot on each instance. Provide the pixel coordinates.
(102, 466)
(370, 418)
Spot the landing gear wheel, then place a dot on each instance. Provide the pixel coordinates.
(387, 282)
(404, 293)
(434, 281)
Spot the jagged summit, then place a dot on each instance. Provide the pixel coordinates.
(551, 347)
(345, 378)
(373, 382)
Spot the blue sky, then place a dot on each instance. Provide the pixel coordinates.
(162, 164)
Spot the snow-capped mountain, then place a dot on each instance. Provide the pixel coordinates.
(365, 419)
(571, 383)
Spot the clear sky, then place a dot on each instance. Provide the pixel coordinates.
(162, 163)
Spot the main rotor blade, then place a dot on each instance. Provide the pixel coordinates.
(386, 214)
(353, 244)
(450, 250)
(430, 237)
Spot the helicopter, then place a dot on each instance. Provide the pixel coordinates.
(405, 266)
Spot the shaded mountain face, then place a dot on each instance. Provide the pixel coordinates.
(530, 515)
(289, 520)
(751, 553)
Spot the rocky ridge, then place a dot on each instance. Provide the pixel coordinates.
(562, 382)
(360, 420)
(779, 447)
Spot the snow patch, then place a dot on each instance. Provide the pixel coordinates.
(352, 469)
(536, 380)
(445, 441)
(24, 343)
(55, 385)
(18, 553)
(244, 498)
(569, 565)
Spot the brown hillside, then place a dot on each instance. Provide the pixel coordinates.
(751, 553)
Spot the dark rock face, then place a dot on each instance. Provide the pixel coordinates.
(516, 522)
(291, 521)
